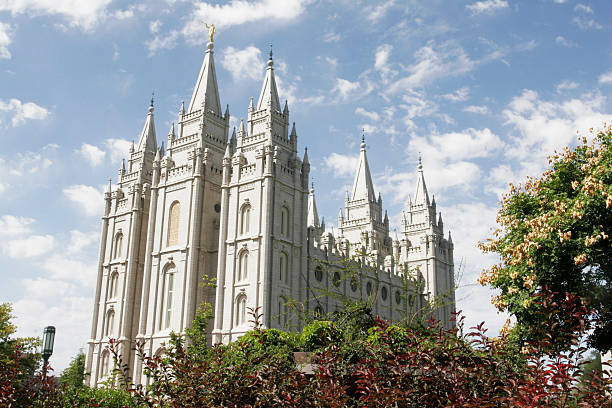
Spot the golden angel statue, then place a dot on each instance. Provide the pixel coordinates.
(211, 31)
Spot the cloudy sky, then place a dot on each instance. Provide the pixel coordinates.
(485, 90)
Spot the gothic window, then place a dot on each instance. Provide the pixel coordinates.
(318, 272)
(173, 223)
(337, 279)
(105, 364)
(243, 266)
(282, 312)
(118, 245)
(168, 292)
(369, 288)
(245, 219)
(384, 293)
(241, 310)
(354, 284)
(283, 260)
(284, 222)
(398, 297)
(110, 323)
(114, 281)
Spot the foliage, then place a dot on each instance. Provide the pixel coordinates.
(74, 374)
(555, 233)
(319, 334)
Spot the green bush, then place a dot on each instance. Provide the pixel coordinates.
(319, 334)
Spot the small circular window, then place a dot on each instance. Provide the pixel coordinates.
(398, 297)
(217, 208)
(384, 293)
(369, 288)
(337, 279)
(318, 272)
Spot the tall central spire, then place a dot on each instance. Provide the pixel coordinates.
(421, 196)
(148, 141)
(362, 186)
(313, 214)
(269, 93)
(206, 91)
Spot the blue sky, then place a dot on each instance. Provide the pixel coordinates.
(485, 90)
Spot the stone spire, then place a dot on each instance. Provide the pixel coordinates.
(313, 215)
(362, 186)
(148, 141)
(269, 93)
(206, 91)
(421, 196)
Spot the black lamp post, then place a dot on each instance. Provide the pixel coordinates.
(47, 346)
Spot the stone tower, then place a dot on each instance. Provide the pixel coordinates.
(264, 205)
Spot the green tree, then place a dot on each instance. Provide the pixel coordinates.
(74, 374)
(554, 233)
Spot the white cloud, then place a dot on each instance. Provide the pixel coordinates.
(82, 14)
(481, 110)
(341, 164)
(21, 112)
(583, 8)
(564, 42)
(375, 13)
(415, 104)
(370, 115)
(5, 40)
(431, 63)
(346, 89)
(89, 199)
(117, 149)
(454, 146)
(81, 240)
(243, 64)
(544, 126)
(238, 12)
(70, 269)
(382, 56)
(93, 154)
(32, 246)
(162, 42)
(486, 6)
(28, 163)
(460, 95)
(331, 37)
(605, 78)
(11, 225)
(567, 85)
(586, 23)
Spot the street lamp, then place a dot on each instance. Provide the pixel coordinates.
(47, 346)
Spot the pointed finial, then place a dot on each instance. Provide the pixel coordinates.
(363, 144)
(270, 62)
(109, 188)
(420, 162)
(152, 98)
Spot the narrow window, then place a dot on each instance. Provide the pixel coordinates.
(285, 222)
(241, 311)
(112, 293)
(243, 263)
(118, 245)
(283, 267)
(105, 364)
(173, 223)
(110, 323)
(167, 301)
(245, 219)
(282, 313)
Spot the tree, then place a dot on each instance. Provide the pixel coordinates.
(554, 234)
(74, 374)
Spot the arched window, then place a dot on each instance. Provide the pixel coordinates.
(241, 310)
(282, 312)
(105, 363)
(319, 312)
(173, 223)
(285, 221)
(110, 323)
(118, 245)
(168, 292)
(243, 266)
(114, 281)
(283, 260)
(245, 219)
